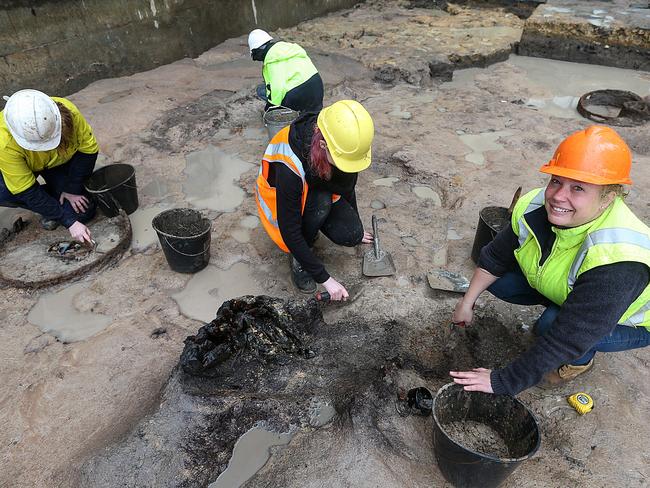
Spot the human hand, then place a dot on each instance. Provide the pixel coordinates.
(336, 290)
(463, 314)
(368, 238)
(80, 232)
(477, 379)
(79, 202)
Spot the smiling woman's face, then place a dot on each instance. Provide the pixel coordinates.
(570, 203)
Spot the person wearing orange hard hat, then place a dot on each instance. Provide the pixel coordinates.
(576, 248)
(306, 185)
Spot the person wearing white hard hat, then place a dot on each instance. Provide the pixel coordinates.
(291, 79)
(48, 137)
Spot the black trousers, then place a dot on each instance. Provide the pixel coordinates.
(339, 221)
(307, 97)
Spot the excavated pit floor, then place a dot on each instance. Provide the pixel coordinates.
(113, 409)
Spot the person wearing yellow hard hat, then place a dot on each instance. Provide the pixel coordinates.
(306, 185)
(576, 248)
(290, 78)
(48, 137)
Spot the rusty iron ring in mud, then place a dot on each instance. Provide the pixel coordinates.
(107, 258)
(634, 110)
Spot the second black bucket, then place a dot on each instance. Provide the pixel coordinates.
(184, 236)
(114, 187)
(490, 221)
(505, 415)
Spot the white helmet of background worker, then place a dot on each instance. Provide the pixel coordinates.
(34, 120)
(257, 38)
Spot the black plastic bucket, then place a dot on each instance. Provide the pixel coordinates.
(507, 416)
(184, 236)
(490, 221)
(114, 187)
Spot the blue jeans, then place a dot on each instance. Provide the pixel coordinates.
(513, 288)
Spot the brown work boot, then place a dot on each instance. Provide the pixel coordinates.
(567, 372)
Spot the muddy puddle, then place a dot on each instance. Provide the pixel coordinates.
(569, 81)
(427, 193)
(143, 234)
(250, 454)
(210, 287)
(212, 177)
(480, 143)
(56, 314)
(388, 182)
(242, 234)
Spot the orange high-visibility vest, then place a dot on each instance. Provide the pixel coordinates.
(278, 151)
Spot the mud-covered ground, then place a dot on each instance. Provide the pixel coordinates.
(90, 413)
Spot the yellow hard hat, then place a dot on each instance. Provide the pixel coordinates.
(348, 131)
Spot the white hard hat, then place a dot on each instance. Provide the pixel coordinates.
(257, 38)
(34, 120)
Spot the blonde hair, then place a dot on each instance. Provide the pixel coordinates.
(67, 129)
(618, 190)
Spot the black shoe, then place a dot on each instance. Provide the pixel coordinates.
(49, 224)
(301, 278)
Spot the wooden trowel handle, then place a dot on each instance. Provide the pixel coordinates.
(515, 199)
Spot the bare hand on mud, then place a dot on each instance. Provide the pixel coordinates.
(463, 314)
(477, 379)
(368, 238)
(80, 232)
(336, 290)
(79, 202)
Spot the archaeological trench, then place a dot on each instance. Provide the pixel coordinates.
(108, 378)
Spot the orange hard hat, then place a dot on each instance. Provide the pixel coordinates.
(595, 155)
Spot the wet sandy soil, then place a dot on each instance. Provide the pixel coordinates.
(66, 405)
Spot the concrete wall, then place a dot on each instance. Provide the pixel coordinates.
(60, 46)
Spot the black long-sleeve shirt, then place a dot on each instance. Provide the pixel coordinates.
(599, 298)
(289, 195)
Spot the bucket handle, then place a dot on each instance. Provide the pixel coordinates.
(185, 254)
(110, 200)
(278, 106)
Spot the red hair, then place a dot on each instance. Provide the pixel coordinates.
(318, 156)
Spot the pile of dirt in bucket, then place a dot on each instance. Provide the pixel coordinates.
(479, 437)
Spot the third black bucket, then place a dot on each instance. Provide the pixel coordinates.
(502, 418)
(184, 236)
(114, 187)
(490, 221)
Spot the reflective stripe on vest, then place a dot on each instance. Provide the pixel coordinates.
(278, 151)
(638, 318)
(535, 203)
(606, 236)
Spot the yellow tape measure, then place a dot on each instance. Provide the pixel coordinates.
(582, 402)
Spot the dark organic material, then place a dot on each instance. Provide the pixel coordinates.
(261, 326)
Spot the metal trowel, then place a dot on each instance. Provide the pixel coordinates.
(441, 279)
(377, 262)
